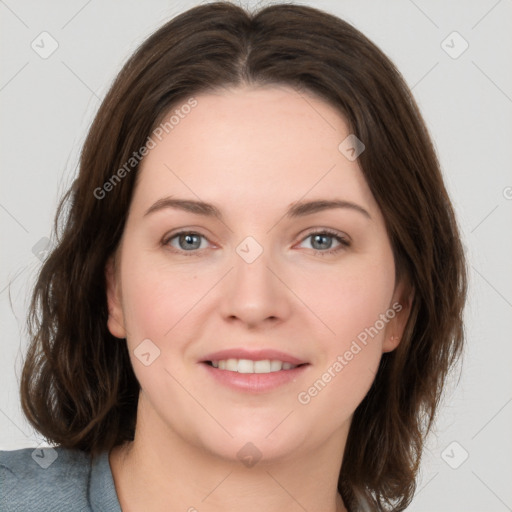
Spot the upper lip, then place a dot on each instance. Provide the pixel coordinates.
(253, 355)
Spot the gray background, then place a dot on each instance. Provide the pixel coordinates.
(47, 105)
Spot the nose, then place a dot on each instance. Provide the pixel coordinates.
(255, 294)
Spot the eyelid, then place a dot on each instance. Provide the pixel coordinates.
(328, 231)
(343, 239)
(170, 236)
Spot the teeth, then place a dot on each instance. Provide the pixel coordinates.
(242, 366)
(231, 365)
(275, 366)
(248, 366)
(262, 366)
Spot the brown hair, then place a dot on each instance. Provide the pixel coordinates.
(78, 387)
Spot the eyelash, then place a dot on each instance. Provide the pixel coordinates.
(344, 243)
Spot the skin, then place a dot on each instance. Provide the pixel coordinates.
(251, 152)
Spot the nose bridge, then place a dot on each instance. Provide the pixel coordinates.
(253, 293)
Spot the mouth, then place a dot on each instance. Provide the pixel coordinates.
(250, 366)
(253, 371)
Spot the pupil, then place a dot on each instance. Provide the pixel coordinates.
(189, 241)
(322, 241)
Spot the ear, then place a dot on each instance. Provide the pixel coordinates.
(115, 321)
(401, 304)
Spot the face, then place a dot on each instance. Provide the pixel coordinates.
(264, 269)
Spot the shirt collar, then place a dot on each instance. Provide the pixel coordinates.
(102, 491)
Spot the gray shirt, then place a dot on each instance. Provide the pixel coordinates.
(56, 480)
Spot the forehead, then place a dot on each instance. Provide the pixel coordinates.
(258, 146)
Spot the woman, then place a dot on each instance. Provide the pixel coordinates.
(258, 290)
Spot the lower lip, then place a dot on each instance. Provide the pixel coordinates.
(255, 382)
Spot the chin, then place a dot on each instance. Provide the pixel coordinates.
(258, 441)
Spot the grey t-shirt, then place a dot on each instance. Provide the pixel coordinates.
(56, 480)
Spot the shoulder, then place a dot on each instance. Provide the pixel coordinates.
(44, 479)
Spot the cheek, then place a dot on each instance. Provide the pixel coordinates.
(349, 359)
(352, 304)
(157, 299)
(156, 303)
(349, 298)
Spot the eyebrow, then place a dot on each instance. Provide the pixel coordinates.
(295, 210)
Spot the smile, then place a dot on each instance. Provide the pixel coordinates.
(254, 377)
(249, 366)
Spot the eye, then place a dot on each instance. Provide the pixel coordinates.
(322, 242)
(185, 241)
